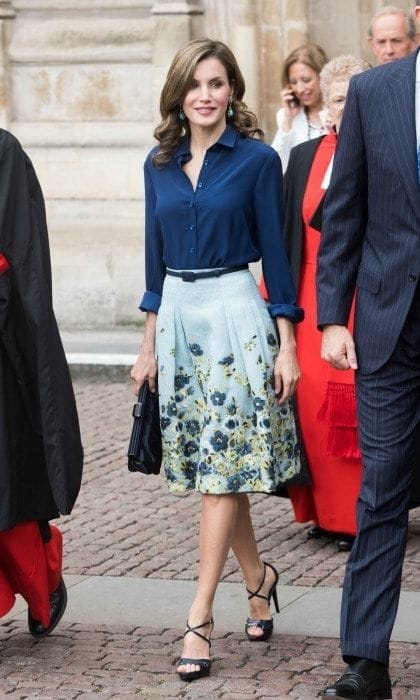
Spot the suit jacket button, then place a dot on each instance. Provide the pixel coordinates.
(412, 277)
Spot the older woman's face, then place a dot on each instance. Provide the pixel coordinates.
(335, 102)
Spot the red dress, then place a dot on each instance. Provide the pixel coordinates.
(30, 567)
(325, 397)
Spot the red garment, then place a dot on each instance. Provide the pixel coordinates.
(30, 567)
(325, 397)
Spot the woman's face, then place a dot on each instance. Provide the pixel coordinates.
(207, 99)
(337, 94)
(304, 82)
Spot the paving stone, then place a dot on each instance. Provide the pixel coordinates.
(127, 523)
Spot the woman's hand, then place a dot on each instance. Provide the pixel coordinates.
(145, 366)
(291, 107)
(286, 368)
(286, 374)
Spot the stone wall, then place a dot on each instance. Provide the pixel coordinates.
(79, 86)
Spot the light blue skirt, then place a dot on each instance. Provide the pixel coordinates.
(222, 430)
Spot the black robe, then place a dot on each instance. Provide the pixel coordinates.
(40, 449)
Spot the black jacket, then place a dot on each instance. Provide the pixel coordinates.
(40, 449)
(295, 179)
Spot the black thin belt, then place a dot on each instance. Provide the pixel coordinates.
(188, 276)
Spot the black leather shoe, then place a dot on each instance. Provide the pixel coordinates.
(58, 603)
(363, 680)
(345, 543)
(315, 532)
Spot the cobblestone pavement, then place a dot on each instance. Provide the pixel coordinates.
(127, 524)
(123, 662)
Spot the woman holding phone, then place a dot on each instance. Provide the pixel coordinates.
(299, 118)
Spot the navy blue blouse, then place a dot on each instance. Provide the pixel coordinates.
(233, 217)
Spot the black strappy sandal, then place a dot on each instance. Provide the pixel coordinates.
(265, 625)
(204, 664)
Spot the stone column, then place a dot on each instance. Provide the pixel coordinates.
(283, 27)
(173, 27)
(6, 14)
(244, 44)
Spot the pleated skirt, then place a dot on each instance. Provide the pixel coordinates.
(222, 429)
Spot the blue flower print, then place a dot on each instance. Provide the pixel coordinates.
(195, 349)
(259, 403)
(165, 423)
(234, 483)
(189, 448)
(190, 468)
(231, 424)
(222, 430)
(171, 408)
(204, 468)
(218, 398)
(228, 360)
(219, 441)
(192, 426)
(181, 380)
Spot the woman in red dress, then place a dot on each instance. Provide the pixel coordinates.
(325, 397)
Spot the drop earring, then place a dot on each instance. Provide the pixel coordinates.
(230, 110)
(181, 114)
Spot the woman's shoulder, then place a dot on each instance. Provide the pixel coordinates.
(149, 157)
(257, 148)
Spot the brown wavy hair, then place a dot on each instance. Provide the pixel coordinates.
(180, 76)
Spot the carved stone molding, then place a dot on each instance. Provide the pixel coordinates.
(82, 5)
(163, 7)
(6, 9)
(84, 39)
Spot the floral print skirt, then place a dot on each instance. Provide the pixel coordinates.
(222, 430)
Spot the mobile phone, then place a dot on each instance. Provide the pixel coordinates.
(294, 102)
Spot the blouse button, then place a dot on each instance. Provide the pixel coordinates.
(191, 204)
(200, 184)
(192, 227)
(191, 250)
(206, 162)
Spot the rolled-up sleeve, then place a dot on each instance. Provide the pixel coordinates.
(155, 266)
(268, 200)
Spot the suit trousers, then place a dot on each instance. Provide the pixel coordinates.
(389, 414)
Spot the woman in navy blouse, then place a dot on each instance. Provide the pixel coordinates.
(213, 205)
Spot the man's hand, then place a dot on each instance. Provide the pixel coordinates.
(338, 347)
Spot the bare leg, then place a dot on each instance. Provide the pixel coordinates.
(217, 523)
(245, 549)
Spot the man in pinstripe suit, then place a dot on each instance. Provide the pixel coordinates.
(371, 245)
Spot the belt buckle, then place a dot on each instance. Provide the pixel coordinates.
(188, 276)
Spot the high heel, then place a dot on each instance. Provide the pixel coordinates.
(204, 664)
(265, 625)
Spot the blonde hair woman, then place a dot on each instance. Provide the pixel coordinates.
(300, 118)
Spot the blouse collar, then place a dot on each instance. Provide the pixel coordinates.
(228, 139)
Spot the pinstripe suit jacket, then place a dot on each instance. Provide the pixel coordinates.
(371, 221)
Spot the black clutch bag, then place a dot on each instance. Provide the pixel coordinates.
(145, 448)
